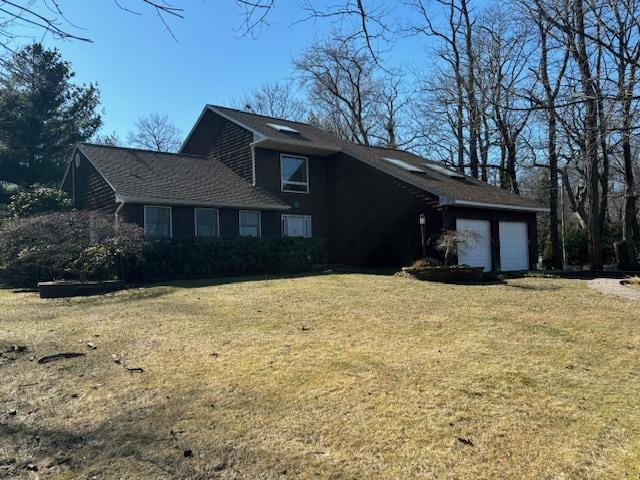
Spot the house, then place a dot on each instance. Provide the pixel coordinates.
(239, 173)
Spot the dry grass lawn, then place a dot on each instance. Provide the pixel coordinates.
(336, 376)
(634, 282)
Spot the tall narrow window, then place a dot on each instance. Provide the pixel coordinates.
(294, 173)
(296, 225)
(249, 223)
(157, 222)
(206, 222)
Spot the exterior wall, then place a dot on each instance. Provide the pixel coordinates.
(450, 215)
(92, 192)
(183, 221)
(313, 203)
(373, 217)
(217, 137)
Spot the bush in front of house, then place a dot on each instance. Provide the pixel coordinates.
(83, 245)
(66, 245)
(37, 200)
(206, 257)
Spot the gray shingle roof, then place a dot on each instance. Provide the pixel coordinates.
(450, 190)
(146, 176)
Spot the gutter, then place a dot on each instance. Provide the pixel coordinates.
(196, 203)
(447, 201)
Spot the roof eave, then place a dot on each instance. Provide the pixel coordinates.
(178, 202)
(447, 201)
(294, 147)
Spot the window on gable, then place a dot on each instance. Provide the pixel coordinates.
(294, 173)
(157, 222)
(206, 222)
(249, 223)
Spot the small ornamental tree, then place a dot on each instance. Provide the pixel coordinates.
(38, 200)
(449, 242)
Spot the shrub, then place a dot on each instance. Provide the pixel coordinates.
(577, 243)
(66, 245)
(205, 257)
(427, 262)
(38, 200)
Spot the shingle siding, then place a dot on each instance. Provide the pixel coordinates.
(373, 217)
(313, 203)
(92, 192)
(183, 221)
(220, 138)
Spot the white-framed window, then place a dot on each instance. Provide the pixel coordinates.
(207, 222)
(249, 223)
(294, 173)
(157, 222)
(296, 226)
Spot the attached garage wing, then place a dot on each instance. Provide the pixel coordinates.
(514, 246)
(475, 249)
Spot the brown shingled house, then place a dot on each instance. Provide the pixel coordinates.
(239, 173)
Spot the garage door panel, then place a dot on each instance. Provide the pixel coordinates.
(514, 246)
(476, 249)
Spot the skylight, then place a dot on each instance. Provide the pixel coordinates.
(283, 128)
(404, 165)
(443, 170)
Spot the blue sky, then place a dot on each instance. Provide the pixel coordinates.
(141, 69)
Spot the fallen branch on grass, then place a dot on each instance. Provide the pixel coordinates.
(60, 356)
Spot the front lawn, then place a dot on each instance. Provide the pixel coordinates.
(336, 376)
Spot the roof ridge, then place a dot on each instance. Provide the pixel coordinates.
(117, 147)
(259, 114)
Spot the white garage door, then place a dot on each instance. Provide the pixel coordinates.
(514, 246)
(476, 249)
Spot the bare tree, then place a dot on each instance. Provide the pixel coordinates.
(275, 100)
(342, 85)
(110, 139)
(155, 132)
(550, 92)
(451, 54)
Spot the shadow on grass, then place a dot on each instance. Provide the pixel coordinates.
(226, 280)
(534, 287)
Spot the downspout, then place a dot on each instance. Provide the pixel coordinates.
(117, 214)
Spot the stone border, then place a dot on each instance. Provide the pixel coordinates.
(66, 288)
(610, 286)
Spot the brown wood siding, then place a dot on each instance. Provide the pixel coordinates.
(217, 137)
(373, 218)
(182, 219)
(495, 217)
(92, 192)
(313, 203)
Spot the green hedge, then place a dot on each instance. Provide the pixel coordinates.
(205, 257)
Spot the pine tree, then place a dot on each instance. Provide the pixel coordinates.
(42, 115)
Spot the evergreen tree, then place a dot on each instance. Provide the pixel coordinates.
(42, 115)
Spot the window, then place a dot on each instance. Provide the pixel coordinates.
(294, 174)
(404, 165)
(249, 223)
(157, 222)
(296, 226)
(206, 222)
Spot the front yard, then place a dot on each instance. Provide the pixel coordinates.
(340, 376)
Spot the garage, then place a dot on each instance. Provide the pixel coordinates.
(475, 250)
(514, 246)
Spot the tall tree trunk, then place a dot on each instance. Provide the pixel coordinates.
(630, 230)
(591, 137)
(470, 85)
